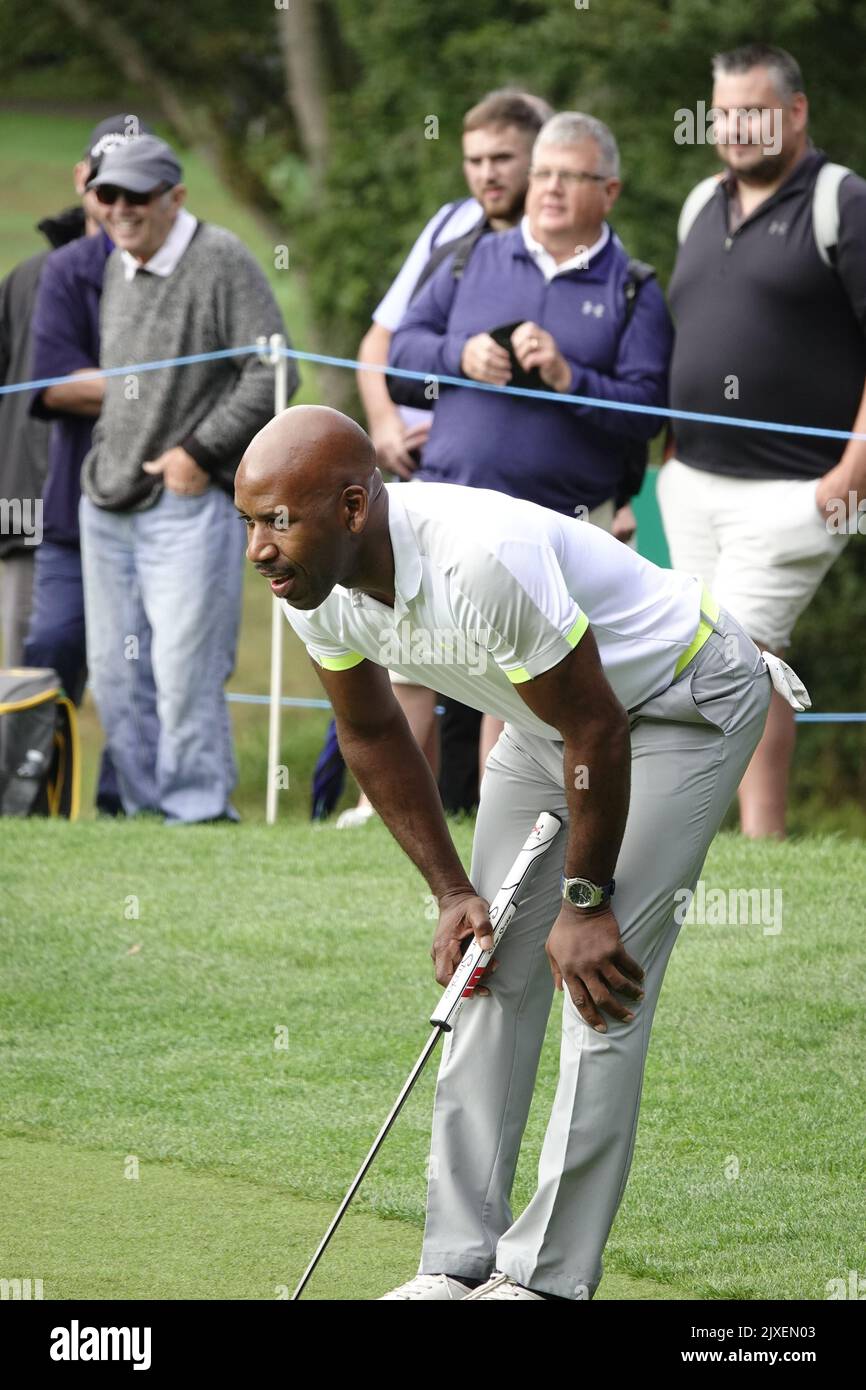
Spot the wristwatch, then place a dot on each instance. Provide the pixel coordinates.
(583, 893)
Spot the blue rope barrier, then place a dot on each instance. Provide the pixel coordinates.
(323, 359)
(303, 702)
(663, 412)
(98, 374)
(830, 718)
(288, 701)
(350, 363)
(292, 701)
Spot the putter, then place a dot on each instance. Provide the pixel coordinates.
(462, 986)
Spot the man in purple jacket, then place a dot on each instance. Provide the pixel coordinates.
(544, 305)
(554, 304)
(66, 342)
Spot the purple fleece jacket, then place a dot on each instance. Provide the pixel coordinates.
(561, 456)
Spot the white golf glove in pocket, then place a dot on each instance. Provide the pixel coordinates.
(787, 682)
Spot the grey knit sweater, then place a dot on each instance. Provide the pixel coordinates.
(216, 297)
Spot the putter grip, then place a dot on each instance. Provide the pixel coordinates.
(465, 979)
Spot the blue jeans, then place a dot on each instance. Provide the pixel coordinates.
(162, 594)
(56, 639)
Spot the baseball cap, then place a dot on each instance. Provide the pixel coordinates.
(111, 131)
(138, 164)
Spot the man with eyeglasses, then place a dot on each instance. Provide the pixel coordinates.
(544, 306)
(162, 549)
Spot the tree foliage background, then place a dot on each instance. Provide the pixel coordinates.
(315, 112)
(352, 199)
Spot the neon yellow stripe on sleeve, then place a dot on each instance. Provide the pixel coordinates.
(340, 663)
(520, 673)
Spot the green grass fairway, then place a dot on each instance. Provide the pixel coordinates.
(175, 1234)
(243, 1036)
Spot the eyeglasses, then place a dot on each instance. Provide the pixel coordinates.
(109, 193)
(568, 176)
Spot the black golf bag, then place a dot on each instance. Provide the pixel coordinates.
(39, 756)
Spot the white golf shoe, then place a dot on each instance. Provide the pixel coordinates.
(430, 1288)
(355, 816)
(500, 1286)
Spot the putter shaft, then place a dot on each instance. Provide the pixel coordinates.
(377, 1143)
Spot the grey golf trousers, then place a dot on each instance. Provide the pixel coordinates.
(690, 746)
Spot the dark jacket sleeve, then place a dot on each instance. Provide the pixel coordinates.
(60, 331)
(422, 343)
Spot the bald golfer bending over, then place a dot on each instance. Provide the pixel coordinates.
(632, 708)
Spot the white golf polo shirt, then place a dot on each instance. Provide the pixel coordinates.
(491, 591)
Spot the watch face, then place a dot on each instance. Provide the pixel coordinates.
(581, 893)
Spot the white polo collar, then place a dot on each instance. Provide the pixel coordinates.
(546, 263)
(165, 258)
(407, 557)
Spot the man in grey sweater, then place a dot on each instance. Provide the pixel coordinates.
(162, 548)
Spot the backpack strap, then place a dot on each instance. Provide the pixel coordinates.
(447, 213)
(461, 249)
(635, 453)
(637, 273)
(464, 247)
(825, 210)
(695, 204)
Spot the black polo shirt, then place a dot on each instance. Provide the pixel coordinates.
(758, 303)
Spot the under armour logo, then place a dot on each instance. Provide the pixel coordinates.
(777, 229)
(590, 308)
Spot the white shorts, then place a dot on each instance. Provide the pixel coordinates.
(762, 548)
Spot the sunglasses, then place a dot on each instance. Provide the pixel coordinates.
(109, 193)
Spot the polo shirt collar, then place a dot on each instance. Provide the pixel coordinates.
(165, 258)
(407, 557)
(546, 262)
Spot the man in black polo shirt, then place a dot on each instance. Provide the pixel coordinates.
(769, 301)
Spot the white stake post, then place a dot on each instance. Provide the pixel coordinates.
(269, 352)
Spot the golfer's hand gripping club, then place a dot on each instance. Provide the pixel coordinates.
(467, 976)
